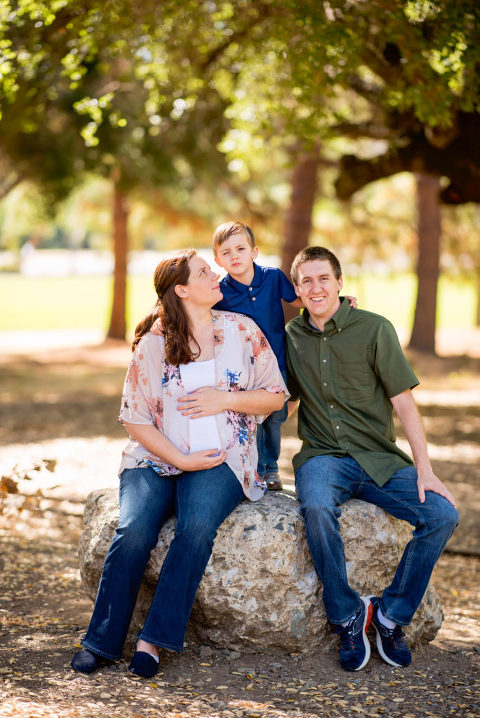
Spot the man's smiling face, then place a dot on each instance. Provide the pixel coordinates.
(318, 288)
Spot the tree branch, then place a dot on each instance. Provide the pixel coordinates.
(263, 13)
(459, 161)
(363, 129)
(372, 93)
(7, 185)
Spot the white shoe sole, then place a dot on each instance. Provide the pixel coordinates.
(366, 642)
(382, 653)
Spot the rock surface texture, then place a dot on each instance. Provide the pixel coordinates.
(260, 589)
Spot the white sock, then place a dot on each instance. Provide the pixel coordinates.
(157, 658)
(385, 621)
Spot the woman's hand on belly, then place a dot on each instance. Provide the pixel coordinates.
(200, 460)
(203, 402)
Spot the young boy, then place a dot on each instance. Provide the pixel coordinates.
(257, 292)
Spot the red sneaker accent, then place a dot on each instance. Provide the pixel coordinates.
(369, 616)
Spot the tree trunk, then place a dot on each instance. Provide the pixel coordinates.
(477, 286)
(298, 220)
(118, 323)
(429, 231)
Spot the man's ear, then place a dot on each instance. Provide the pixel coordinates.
(340, 283)
(254, 252)
(297, 291)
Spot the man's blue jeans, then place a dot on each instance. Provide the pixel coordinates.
(201, 500)
(269, 435)
(323, 483)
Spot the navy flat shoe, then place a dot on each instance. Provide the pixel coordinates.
(143, 664)
(87, 662)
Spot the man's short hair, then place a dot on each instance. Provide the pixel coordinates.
(310, 253)
(227, 230)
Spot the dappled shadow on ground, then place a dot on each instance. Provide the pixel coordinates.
(63, 409)
(62, 394)
(447, 367)
(451, 425)
(44, 612)
(85, 416)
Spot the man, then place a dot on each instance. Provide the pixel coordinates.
(347, 369)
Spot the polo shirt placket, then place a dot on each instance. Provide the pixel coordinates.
(331, 404)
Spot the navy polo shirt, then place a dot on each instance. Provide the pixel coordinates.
(261, 300)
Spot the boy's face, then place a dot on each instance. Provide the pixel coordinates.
(236, 254)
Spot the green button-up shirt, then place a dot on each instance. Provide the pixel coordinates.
(344, 377)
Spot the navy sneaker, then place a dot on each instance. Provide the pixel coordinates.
(273, 482)
(354, 645)
(391, 643)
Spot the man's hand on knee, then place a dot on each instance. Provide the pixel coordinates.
(428, 481)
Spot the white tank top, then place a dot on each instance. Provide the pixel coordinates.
(203, 432)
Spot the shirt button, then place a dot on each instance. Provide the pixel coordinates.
(324, 383)
(253, 299)
(332, 406)
(250, 289)
(324, 360)
(339, 329)
(337, 427)
(324, 339)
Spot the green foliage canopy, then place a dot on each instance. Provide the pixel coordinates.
(89, 86)
(139, 87)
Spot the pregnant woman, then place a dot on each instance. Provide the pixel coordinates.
(198, 383)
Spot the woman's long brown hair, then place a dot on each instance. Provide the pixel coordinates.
(169, 309)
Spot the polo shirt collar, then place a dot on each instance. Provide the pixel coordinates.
(239, 286)
(337, 322)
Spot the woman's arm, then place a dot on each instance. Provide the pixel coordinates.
(157, 444)
(206, 402)
(292, 406)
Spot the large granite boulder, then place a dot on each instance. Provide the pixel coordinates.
(260, 589)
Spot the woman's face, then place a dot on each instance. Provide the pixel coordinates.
(202, 287)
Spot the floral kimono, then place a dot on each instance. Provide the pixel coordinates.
(243, 361)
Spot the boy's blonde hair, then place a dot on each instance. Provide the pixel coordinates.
(228, 229)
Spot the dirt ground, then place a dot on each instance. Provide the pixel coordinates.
(59, 440)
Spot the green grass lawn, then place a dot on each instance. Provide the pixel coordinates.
(394, 296)
(79, 302)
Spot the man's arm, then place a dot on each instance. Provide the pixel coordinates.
(404, 405)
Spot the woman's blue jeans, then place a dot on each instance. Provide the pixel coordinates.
(201, 500)
(324, 483)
